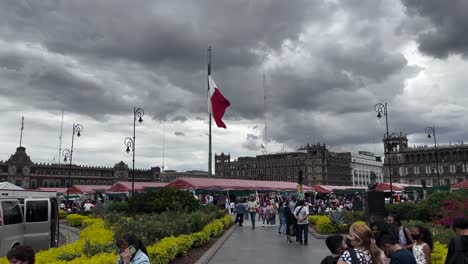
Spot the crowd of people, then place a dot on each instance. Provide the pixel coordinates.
(388, 241)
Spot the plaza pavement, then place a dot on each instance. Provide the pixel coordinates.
(265, 245)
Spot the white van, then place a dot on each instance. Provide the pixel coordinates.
(30, 221)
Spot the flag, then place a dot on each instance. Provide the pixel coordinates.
(217, 103)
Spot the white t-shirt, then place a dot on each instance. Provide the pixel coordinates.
(301, 212)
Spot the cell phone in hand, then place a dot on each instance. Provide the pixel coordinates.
(131, 250)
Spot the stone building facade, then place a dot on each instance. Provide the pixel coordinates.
(363, 163)
(318, 164)
(20, 170)
(418, 165)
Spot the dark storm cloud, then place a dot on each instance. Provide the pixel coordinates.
(449, 21)
(180, 134)
(156, 32)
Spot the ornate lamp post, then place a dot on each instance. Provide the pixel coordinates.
(382, 109)
(130, 142)
(431, 132)
(68, 154)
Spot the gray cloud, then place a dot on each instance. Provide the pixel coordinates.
(449, 22)
(181, 134)
(179, 118)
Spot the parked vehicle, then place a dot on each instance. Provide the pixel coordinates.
(28, 220)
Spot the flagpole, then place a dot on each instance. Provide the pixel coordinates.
(209, 113)
(22, 127)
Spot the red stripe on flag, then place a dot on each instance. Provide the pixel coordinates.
(219, 104)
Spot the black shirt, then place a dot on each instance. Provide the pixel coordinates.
(402, 256)
(451, 247)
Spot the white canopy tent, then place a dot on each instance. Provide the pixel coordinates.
(9, 186)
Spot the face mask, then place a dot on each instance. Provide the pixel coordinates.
(349, 242)
(416, 237)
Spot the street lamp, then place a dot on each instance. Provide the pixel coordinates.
(431, 132)
(130, 142)
(382, 109)
(68, 154)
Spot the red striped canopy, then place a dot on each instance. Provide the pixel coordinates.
(460, 185)
(120, 187)
(210, 184)
(79, 189)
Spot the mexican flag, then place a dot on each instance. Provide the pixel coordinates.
(217, 103)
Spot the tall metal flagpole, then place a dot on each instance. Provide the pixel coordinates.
(209, 114)
(60, 139)
(265, 109)
(22, 127)
(164, 139)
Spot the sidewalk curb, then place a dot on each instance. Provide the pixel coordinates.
(212, 251)
(317, 235)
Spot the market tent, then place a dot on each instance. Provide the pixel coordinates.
(9, 186)
(210, 184)
(338, 189)
(49, 189)
(90, 189)
(124, 187)
(460, 185)
(386, 187)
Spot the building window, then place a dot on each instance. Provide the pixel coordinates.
(33, 184)
(18, 183)
(45, 183)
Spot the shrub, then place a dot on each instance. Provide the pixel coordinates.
(118, 206)
(153, 227)
(351, 217)
(439, 253)
(164, 199)
(75, 219)
(325, 226)
(62, 214)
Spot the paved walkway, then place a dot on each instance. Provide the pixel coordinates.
(265, 245)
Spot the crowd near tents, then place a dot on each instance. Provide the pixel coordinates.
(200, 185)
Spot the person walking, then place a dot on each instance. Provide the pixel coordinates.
(423, 244)
(301, 213)
(291, 222)
(252, 205)
(246, 209)
(282, 219)
(240, 214)
(271, 213)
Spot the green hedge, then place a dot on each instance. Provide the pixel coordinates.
(168, 248)
(75, 219)
(153, 227)
(162, 200)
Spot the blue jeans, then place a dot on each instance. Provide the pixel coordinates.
(252, 217)
(282, 225)
(303, 231)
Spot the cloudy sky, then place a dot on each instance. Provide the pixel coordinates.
(326, 64)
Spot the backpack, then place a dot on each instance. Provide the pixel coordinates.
(459, 256)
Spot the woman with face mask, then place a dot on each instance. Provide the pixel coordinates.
(423, 244)
(361, 249)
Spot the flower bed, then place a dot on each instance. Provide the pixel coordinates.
(96, 244)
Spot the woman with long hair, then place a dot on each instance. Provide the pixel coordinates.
(361, 249)
(423, 244)
(132, 251)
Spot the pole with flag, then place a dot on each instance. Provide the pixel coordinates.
(22, 127)
(217, 105)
